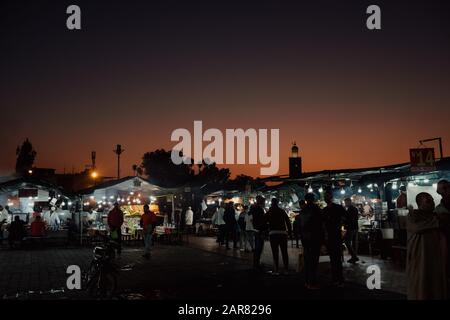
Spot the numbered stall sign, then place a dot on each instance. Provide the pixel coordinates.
(422, 160)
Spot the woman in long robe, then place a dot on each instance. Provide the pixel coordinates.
(426, 253)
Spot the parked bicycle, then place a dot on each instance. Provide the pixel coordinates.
(100, 280)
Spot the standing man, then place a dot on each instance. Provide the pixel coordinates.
(279, 230)
(148, 220)
(16, 232)
(217, 219)
(351, 237)
(334, 215)
(189, 219)
(311, 232)
(260, 226)
(242, 229)
(426, 253)
(115, 221)
(230, 224)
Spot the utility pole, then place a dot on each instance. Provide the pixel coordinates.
(93, 156)
(118, 151)
(440, 145)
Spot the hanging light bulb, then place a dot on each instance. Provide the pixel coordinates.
(310, 189)
(359, 190)
(320, 189)
(342, 191)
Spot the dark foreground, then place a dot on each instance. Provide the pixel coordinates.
(173, 272)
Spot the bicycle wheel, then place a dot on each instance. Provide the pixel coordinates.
(91, 279)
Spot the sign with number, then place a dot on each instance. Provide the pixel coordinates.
(422, 160)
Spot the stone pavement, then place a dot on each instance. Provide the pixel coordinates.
(173, 272)
(392, 277)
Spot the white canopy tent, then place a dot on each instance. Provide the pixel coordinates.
(112, 189)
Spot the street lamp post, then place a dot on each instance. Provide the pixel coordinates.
(118, 151)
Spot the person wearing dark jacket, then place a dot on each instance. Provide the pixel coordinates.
(334, 215)
(311, 232)
(229, 217)
(16, 232)
(260, 226)
(279, 228)
(351, 224)
(115, 221)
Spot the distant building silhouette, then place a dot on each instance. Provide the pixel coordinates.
(295, 163)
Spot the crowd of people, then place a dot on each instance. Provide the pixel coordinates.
(36, 225)
(428, 246)
(428, 229)
(312, 226)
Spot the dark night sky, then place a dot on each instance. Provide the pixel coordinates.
(137, 70)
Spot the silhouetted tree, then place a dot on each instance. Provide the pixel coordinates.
(162, 171)
(212, 175)
(25, 158)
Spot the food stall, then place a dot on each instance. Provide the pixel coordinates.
(28, 196)
(383, 196)
(131, 193)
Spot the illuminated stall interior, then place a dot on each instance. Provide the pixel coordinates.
(131, 193)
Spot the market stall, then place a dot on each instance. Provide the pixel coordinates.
(131, 193)
(29, 197)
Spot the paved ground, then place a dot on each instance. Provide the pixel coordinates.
(191, 272)
(393, 278)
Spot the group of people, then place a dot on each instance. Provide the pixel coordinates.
(18, 229)
(428, 229)
(428, 243)
(235, 226)
(147, 222)
(313, 226)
